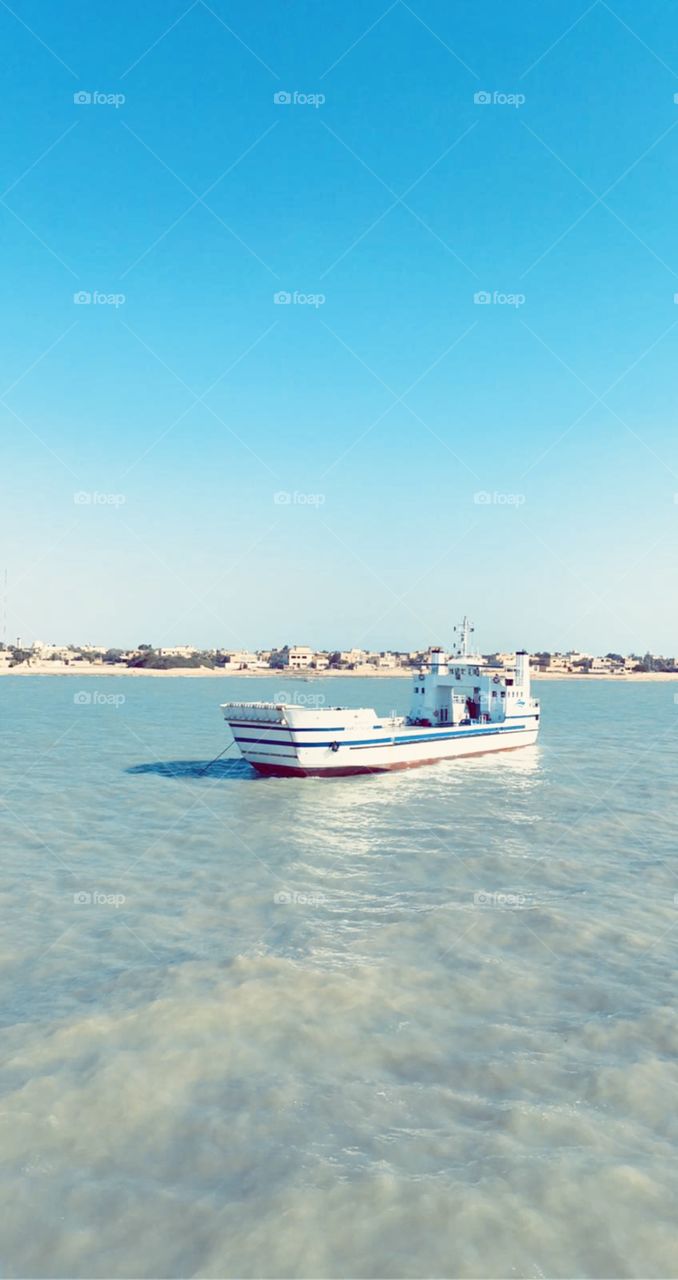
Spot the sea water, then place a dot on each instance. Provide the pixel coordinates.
(419, 1024)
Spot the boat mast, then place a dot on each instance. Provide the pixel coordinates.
(465, 631)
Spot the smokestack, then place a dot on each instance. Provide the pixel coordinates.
(437, 660)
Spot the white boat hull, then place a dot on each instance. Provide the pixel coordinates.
(288, 741)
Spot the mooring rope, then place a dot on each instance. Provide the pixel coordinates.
(214, 761)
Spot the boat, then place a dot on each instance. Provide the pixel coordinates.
(461, 706)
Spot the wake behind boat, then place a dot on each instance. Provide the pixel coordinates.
(460, 707)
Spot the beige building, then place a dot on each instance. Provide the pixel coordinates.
(354, 656)
(299, 656)
(49, 651)
(242, 658)
(385, 660)
(502, 659)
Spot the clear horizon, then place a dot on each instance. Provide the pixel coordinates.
(338, 330)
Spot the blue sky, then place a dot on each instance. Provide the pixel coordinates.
(515, 459)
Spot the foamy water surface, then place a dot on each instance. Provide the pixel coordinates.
(412, 1025)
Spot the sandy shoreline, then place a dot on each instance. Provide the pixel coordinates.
(94, 669)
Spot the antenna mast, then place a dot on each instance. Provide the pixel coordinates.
(465, 631)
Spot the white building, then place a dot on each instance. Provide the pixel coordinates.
(299, 656)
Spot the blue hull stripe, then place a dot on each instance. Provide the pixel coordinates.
(323, 728)
(286, 728)
(395, 741)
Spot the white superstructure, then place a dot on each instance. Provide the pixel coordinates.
(460, 707)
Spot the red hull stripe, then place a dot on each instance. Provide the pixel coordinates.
(286, 771)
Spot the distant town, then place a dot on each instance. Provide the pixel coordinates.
(302, 659)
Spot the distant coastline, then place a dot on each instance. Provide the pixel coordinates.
(49, 668)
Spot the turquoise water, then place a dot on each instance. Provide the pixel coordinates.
(414, 1025)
